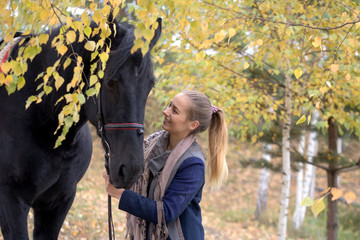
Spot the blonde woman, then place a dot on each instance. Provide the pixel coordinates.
(164, 203)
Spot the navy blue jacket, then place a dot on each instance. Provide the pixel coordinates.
(181, 199)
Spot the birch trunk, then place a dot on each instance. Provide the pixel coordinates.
(339, 143)
(309, 178)
(308, 184)
(296, 220)
(263, 182)
(285, 187)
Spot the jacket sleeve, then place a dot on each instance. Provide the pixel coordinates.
(187, 181)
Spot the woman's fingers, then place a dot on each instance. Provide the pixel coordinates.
(106, 177)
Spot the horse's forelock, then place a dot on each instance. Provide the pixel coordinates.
(122, 52)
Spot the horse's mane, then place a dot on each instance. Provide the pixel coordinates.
(122, 53)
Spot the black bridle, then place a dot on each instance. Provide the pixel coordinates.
(110, 127)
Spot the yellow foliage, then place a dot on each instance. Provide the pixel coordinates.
(349, 197)
(336, 193)
(298, 73)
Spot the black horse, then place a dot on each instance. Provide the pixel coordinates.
(34, 174)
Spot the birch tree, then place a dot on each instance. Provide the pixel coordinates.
(286, 174)
(264, 180)
(296, 220)
(306, 176)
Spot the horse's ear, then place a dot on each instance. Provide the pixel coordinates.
(156, 36)
(111, 15)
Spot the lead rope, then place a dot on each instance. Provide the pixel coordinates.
(101, 129)
(107, 162)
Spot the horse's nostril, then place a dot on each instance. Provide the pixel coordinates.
(122, 172)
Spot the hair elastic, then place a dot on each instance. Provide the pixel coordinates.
(214, 109)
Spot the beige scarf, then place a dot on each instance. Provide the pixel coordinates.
(136, 227)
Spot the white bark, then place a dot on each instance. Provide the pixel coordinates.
(313, 183)
(339, 150)
(285, 187)
(309, 178)
(263, 181)
(296, 220)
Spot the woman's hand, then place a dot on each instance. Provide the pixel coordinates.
(110, 189)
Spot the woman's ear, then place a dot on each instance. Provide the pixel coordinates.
(194, 125)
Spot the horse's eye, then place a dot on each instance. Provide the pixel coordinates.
(112, 84)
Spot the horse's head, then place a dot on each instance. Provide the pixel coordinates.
(127, 81)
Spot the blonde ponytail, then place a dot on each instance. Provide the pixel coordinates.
(213, 119)
(217, 140)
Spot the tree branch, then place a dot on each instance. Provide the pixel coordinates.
(303, 160)
(292, 24)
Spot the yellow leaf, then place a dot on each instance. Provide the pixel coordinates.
(70, 37)
(160, 60)
(44, 14)
(309, 119)
(2, 78)
(8, 80)
(219, 36)
(349, 197)
(246, 65)
(207, 43)
(20, 82)
(5, 67)
(62, 49)
(69, 21)
(232, 32)
(308, 201)
(90, 46)
(59, 82)
(29, 101)
(259, 42)
(88, 31)
(317, 42)
(93, 80)
(318, 207)
(16, 67)
(43, 38)
(97, 16)
(301, 120)
(93, 7)
(200, 56)
(104, 56)
(67, 63)
(334, 68)
(348, 76)
(336, 193)
(298, 73)
(325, 191)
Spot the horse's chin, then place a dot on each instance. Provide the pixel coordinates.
(121, 185)
(127, 185)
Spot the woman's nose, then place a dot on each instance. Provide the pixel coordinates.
(165, 112)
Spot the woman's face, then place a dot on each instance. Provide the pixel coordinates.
(176, 117)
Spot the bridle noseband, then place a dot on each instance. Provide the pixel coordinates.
(101, 130)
